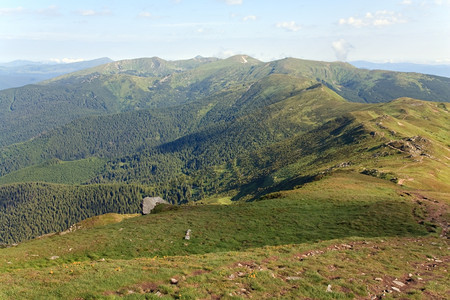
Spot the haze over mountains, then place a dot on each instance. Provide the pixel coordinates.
(22, 72)
(438, 69)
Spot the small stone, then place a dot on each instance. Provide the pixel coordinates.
(399, 283)
(291, 278)
(54, 257)
(232, 276)
(158, 294)
(410, 275)
(395, 289)
(420, 279)
(102, 259)
(188, 235)
(329, 289)
(173, 281)
(378, 279)
(241, 274)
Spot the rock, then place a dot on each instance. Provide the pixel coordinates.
(395, 289)
(291, 278)
(149, 203)
(54, 257)
(398, 283)
(188, 235)
(329, 289)
(158, 294)
(378, 279)
(173, 281)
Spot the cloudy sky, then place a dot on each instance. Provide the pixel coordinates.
(376, 30)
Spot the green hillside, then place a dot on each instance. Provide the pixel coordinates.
(245, 159)
(323, 234)
(126, 133)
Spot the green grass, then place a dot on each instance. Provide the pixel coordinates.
(365, 208)
(345, 230)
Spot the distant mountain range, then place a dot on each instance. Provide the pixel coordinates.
(23, 72)
(438, 70)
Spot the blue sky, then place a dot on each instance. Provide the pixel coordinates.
(378, 30)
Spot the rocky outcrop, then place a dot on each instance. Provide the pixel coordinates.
(415, 146)
(149, 203)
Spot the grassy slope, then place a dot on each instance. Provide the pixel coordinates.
(286, 247)
(363, 141)
(405, 139)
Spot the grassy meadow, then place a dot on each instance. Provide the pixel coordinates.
(354, 232)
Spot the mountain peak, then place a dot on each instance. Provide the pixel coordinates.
(243, 59)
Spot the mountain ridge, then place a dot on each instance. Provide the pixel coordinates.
(143, 85)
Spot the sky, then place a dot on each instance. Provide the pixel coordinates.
(378, 30)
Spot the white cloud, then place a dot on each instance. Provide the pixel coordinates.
(11, 11)
(341, 49)
(66, 60)
(225, 53)
(90, 12)
(51, 10)
(426, 3)
(379, 18)
(145, 14)
(233, 2)
(249, 18)
(290, 26)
